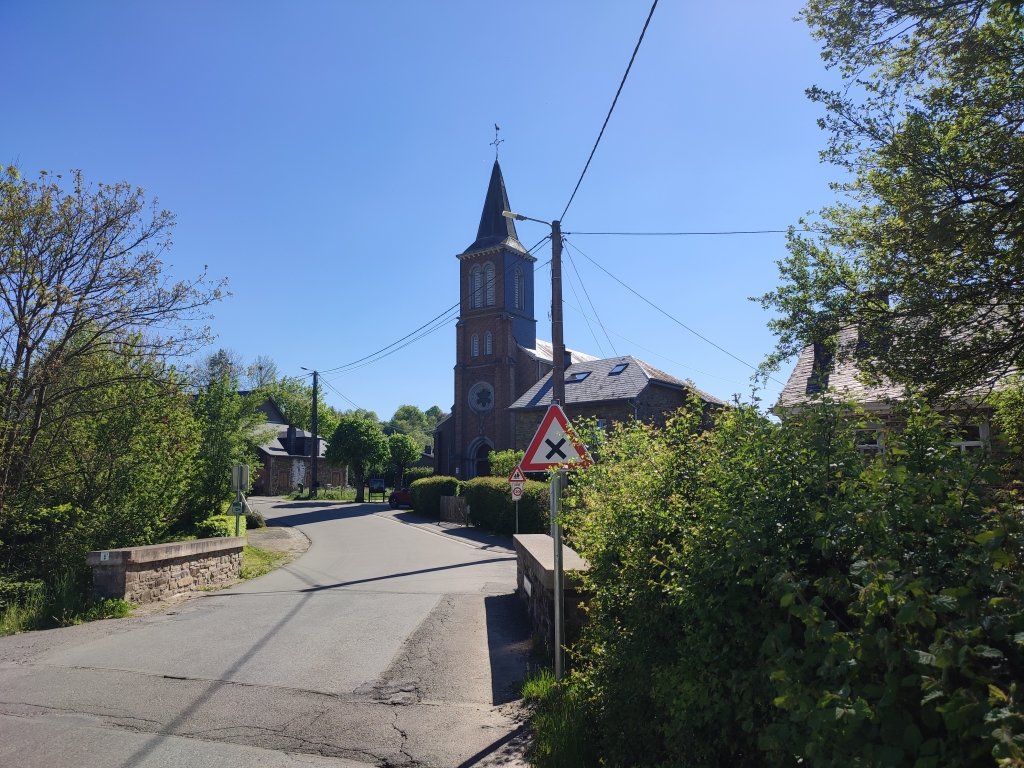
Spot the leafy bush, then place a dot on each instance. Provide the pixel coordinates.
(492, 508)
(416, 473)
(220, 525)
(503, 462)
(425, 494)
(763, 594)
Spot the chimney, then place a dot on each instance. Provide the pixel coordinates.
(290, 441)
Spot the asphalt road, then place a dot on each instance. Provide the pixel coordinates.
(383, 644)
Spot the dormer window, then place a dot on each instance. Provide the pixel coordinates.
(578, 376)
(619, 368)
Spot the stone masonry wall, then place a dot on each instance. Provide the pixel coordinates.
(533, 587)
(160, 578)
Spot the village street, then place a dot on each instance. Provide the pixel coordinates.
(382, 644)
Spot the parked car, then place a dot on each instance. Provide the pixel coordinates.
(398, 498)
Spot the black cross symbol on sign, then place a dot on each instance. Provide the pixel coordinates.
(555, 448)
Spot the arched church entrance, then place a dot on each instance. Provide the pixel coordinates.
(483, 466)
(476, 457)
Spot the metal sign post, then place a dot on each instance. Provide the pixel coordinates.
(518, 482)
(557, 482)
(239, 483)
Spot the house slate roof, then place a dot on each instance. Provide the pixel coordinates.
(495, 230)
(843, 379)
(602, 386)
(275, 446)
(545, 352)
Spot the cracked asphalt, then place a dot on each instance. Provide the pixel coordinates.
(383, 644)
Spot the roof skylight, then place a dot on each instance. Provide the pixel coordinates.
(578, 376)
(618, 369)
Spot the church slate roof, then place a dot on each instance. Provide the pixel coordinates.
(602, 385)
(495, 230)
(545, 352)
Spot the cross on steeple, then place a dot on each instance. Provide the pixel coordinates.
(496, 141)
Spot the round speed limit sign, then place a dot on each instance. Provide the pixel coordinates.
(517, 491)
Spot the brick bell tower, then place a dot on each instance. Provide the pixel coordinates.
(495, 321)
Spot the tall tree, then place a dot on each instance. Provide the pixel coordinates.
(360, 444)
(294, 396)
(404, 452)
(262, 372)
(925, 256)
(80, 278)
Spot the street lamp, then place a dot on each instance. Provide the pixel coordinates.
(557, 339)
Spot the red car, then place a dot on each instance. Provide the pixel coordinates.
(398, 498)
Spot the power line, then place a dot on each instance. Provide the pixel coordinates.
(338, 393)
(666, 314)
(354, 365)
(596, 340)
(592, 307)
(612, 108)
(657, 354)
(675, 234)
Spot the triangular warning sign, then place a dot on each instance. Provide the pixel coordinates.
(555, 444)
(517, 476)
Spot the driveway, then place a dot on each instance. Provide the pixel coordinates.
(383, 644)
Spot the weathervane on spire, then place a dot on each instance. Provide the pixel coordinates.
(497, 142)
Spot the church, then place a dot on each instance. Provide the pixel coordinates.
(503, 371)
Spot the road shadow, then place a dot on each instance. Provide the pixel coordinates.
(456, 531)
(509, 644)
(307, 512)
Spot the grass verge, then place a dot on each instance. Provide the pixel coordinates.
(343, 494)
(46, 608)
(256, 562)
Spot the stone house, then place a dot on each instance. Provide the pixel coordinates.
(817, 371)
(286, 457)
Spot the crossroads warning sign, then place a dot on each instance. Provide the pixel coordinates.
(555, 444)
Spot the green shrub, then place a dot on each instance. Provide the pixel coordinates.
(504, 462)
(763, 594)
(425, 494)
(220, 525)
(412, 474)
(492, 507)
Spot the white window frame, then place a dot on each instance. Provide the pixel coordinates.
(488, 345)
(475, 288)
(983, 435)
(474, 346)
(876, 447)
(488, 284)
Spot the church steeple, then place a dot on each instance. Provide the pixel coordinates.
(495, 229)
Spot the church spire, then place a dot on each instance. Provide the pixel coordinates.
(494, 228)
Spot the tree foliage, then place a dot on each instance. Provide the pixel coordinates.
(361, 445)
(80, 281)
(504, 462)
(403, 452)
(764, 594)
(926, 253)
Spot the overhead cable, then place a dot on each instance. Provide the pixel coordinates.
(676, 234)
(612, 108)
(666, 314)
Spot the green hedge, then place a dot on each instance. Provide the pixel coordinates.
(425, 494)
(492, 508)
(219, 525)
(765, 595)
(413, 474)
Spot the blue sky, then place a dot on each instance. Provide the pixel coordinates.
(331, 158)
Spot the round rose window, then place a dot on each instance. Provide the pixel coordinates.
(481, 397)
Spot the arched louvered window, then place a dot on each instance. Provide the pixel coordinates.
(520, 290)
(474, 346)
(487, 343)
(489, 284)
(476, 295)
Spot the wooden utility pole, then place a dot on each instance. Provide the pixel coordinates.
(314, 451)
(557, 341)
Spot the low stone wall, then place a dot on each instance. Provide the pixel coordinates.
(535, 584)
(161, 571)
